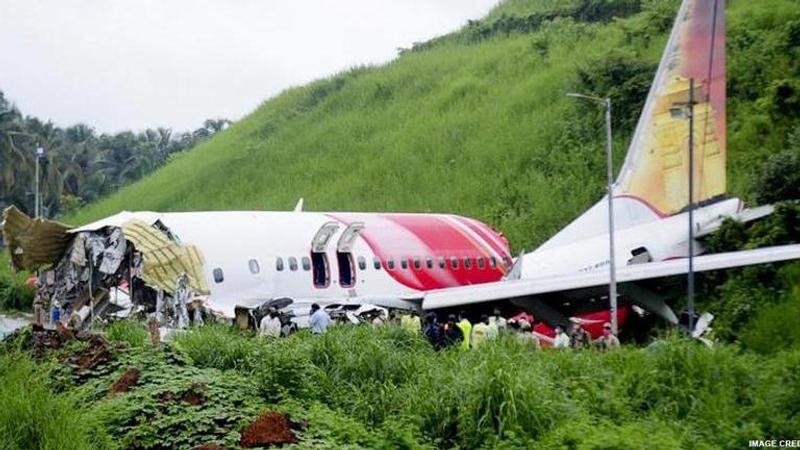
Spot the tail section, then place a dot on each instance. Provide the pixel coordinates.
(654, 180)
(656, 169)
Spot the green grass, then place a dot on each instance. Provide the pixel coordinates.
(362, 387)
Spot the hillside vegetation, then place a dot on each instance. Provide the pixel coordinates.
(477, 122)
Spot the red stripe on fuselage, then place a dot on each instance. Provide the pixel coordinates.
(409, 236)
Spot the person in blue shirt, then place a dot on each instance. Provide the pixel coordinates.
(318, 320)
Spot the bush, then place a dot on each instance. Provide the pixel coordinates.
(218, 346)
(15, 296)
(34, 417)
(131, 332)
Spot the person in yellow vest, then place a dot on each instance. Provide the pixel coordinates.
(411, 323)
(466, 329)
(481, 332)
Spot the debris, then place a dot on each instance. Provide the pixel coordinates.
(271, 428)
(98, 352)
(124, 383)
(195, 395)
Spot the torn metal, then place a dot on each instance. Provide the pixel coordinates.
(121, 269)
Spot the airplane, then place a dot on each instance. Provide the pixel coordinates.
(241, 260)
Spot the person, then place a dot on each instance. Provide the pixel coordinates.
(578, 337)
(452, 332)
(433, 331)
(466, 330)
(410, 322)
(481, 331)
(526, 334)
(608, 340)
(270, 325)
(498, 322)
(319, 320)
(561, 340)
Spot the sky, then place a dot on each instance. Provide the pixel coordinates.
(135, 64)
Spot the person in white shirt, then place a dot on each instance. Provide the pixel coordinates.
(562, 339)
(270, 325)
(498, 322)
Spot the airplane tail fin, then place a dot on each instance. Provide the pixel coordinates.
(656, 168)
(654, 180)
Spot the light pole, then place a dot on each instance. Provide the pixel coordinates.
(612, 285)
(37, 197)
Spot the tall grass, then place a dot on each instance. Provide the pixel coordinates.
(32, 416)
(674, 393)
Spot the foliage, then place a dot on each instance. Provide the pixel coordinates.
(131, 332)
(80, 165)
(216, 346)
(32, 417)
(672, 394)
(780, 176)
(14, 295)
(736, 297)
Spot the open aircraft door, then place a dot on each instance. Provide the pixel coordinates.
(344, 254)
(319, 260)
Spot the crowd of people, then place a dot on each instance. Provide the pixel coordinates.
(454, 331)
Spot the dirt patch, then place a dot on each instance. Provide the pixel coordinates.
(209, 447)
(124, 383)
(271, 428)
(97, 352)
(195, 395)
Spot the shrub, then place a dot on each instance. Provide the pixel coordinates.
(218, 346)
(34, 417)
(133, 333)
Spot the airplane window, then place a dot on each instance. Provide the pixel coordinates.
(481, 262)
(467, 262)
(429, 263)
(441, 262)
(254, 269)
(454, 262)
(404, 263)
(279, 264)
(417, 264)
(492, 262)
(376, 262)
(306, 263)
(390, 264)
(362, 263)
(218, 276)
(292, 263)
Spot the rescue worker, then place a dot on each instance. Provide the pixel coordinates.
(319, 320)
(578, 337)
(561, 340)
(411, 323)
(481, 332)
(526, 334)
(466, 330)
(608, 340)
(452, 332)
(499, 323)
(270, 325)
(433, 331)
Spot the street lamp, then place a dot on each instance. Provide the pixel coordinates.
(37, 197)
(612, 285)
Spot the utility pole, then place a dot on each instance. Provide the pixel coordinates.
(690, 281)
(37, 196)
(612, 285)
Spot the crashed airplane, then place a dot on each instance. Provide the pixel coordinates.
(180, 265)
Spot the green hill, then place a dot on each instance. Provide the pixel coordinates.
(477, 123)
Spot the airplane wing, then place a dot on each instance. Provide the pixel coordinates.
(507, 289)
